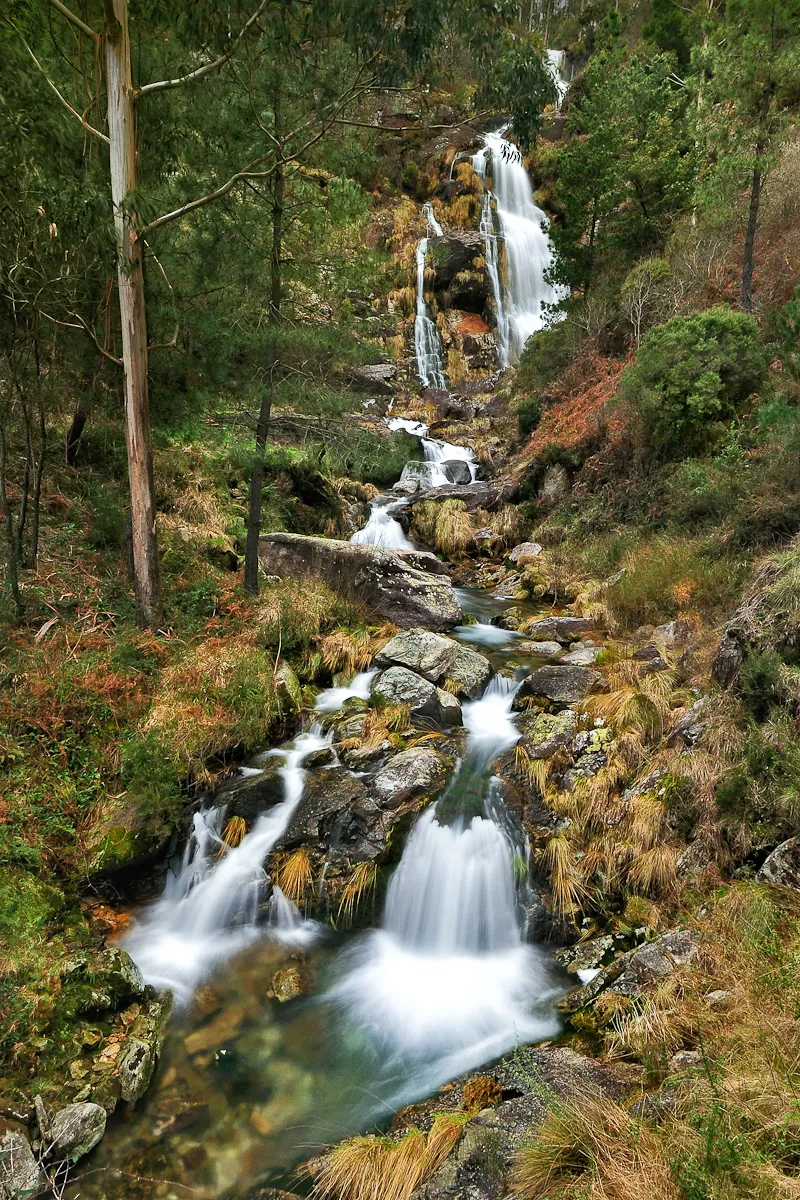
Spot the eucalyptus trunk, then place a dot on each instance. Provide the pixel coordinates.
(130, 286)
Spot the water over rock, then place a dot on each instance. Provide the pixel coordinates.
(139, 1056)
(438, 658)
(398, 685)
(378, 577)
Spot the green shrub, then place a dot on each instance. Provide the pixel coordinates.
(546, 356)
(529, 414)
(759, 682)
(691, 374)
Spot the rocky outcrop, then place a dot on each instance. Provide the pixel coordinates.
(460, 278)
(631, 973)
(248, 796)
(561, 684)
(438, 659)
(782, 866)
(339, 814)
(377, 379)
(525, 552)
(425, 475)
(142, 1048)
(417, 772)
(379, 578)
(760, 623)
(488, 496)
(400, 686)
(545, 733)
(20, 1173)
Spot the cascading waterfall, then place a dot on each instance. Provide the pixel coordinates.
(210, 907)
(555, 59)
(525, 299)
(448, 981)
(427, 344)
(382, 529)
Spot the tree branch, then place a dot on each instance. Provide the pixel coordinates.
(164, 84)
(86, 329)
(246, 173)
(76, 21)
(89, 128)
(165, 345)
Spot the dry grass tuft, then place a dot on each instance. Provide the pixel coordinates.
(232, 835)
(482, 1092)
(294, 875)
(566, 883)
(444, 524)
(377, 1168)
(590, 1147)
(363, 881)
(348, 650)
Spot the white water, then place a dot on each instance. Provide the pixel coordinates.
(382, 529)
(555, 59)
(524, 298)
(427, 344)
(334, 697)
(286, 924)
(210, 907)
(448, 981)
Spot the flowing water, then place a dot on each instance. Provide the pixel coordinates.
(427, 343)
(525, 299)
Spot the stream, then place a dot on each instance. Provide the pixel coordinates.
(248, 1086)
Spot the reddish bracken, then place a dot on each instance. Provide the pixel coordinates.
(582, 417)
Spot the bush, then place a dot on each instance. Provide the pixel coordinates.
(529, 414)
(691, 374)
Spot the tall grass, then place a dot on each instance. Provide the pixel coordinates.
(378, 1168)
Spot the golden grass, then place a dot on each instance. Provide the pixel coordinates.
(590, 1147)
(566, 883)
(348, 650)
(653, 872)
(378, 1168)
(363, 881)
(293, 874)
(445, 525)
(232, 835)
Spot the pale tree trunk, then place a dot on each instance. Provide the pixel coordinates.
(265, 411)
(762, 141)
(130, 285)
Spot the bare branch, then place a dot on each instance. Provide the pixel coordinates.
(71, 325)
(165, 345)
(76, 21)
(89, 128)
(220, 62)
(246, 173)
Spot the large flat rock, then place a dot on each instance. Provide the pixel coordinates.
(387, 584)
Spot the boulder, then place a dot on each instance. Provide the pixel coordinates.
(398, 685)
(476, 495)
(429, 474)
(376, 379)
(582, 657)
(525, 552)
(632, 973)
(541, 649)
(437, 658)
(782, 866)
(423, 560)
(338, 813)
(20, 1173)
(563, 685)
(139, 1055)
(545, 733)
(555, 485)
(380, 578)
(248, 796)
(674, 634)
(560, 629)
(420, 771)
(689, 728)
(102, 980)
(459, 268)
(75, 1130)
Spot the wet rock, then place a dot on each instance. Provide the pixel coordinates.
(75, 1130)
(525, 552)
(398, 685)
(377, 379)
(541, 649)
(633, 972)
(337, 812)
(782, 866)
(384, 582)
(428, 475)
(591, 955)
(102, 980)
(20, 1173)
(460, 270)
(139, 1055)
(288, 687)
(248, 796)
(360, 757)
(437, 658)
(419, 771)
(287, 984)
(545, 733)
(560, 629)
(563, 685)
(476, 495)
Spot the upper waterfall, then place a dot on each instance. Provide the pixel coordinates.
(427, 344)
(525, 298)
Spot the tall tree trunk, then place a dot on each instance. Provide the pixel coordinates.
(262, 426)
(130, 285)
(12, 546)
(746, 301)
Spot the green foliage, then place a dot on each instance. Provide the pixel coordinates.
(519, 82)
(529, 414)
(788, 333)
(759, 682)
(545, 357)
(691, 374)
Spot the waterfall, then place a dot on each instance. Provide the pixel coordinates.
(525, 298)
(427, 344)
(210, 906)
(333, 698)
(382, 529)
(555, 59)
(448, 981)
